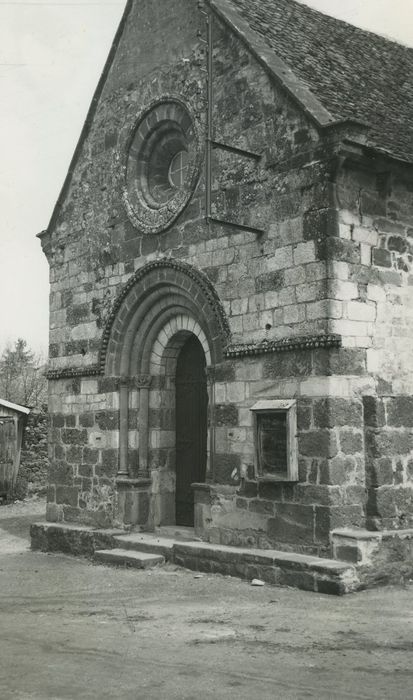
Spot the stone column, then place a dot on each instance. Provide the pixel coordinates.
(123, 471)
(143, 382)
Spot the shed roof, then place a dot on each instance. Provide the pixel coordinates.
(355, 74)
(14, 407)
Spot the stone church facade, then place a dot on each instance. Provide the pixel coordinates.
(231, 281)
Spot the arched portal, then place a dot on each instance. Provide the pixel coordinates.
(167, 322)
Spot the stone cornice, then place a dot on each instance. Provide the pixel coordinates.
(286, 344)
(264, 347)
(73, 372)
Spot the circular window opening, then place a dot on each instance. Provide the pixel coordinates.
(178, 169)
(163, 165)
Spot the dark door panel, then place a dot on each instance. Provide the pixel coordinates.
(191, 427)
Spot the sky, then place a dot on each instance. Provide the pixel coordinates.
(51, 56)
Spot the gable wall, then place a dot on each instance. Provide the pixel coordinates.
(96, 248)
(272, 286)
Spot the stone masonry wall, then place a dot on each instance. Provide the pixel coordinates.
(316, 262)
(373, 293)
(34, 453)
(271, 285)
(389, 461)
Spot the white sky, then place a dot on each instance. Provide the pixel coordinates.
(51, 56)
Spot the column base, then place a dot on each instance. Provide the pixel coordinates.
(134, 501)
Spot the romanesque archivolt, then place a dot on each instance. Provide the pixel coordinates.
(158, 291)
(162, 164)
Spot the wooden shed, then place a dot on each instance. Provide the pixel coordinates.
(12, 422)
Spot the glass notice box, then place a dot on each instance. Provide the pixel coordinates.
(275, 425)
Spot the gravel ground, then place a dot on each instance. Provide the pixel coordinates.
(74, 630)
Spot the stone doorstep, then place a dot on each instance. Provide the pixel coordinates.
(285, 568)
(124, 557)
(275, 567)
(262, 557)
(176, 532)
(143, 542)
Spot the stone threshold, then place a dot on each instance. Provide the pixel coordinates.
(275, 567)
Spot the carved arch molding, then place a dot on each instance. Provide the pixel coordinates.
(158, 292)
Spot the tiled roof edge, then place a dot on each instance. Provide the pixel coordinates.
(272, 63)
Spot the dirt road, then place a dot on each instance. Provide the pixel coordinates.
(72, 630)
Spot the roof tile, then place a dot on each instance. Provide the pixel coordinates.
(354, 73)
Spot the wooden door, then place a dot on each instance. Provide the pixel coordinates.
(8, 446)
(191, 427)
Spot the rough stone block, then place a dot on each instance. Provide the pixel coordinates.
(74, 454)
(312, 494)
(68, 495)
(304, 415)
(224, 466)
(261, 506)
(381, 257)
(304, 253)
(340, 361)
(291, 364)
(107, 420)
(330, 587)
(73, 436)
(321, 223)
(57, 420)
(400, 411)
(85, 470)
(86, 420)
(269, 281)
(226, 415)
(332, 412)
(351, 442)
(292, 523)
(90, 455)
(388, 443)
(374, 415)
(338, 471)
(298, 579)
(317, 443)
(249, 489)
(333, 517)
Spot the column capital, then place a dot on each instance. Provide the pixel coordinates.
(122, 381)
(142, 381)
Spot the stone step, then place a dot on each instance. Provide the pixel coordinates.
(280, 568)
(272, 566)
(176, 532)
(142, 542)
(125, 557)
